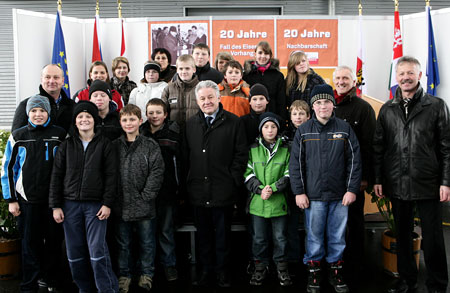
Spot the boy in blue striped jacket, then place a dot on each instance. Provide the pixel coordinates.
(26, 171)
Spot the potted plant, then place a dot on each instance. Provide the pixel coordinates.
(9, 233)
(388, 238)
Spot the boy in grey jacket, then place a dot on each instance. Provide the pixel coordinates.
(141, 175)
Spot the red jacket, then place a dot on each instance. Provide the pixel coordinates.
(83, 95)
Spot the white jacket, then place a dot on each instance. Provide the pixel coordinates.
(144, 93)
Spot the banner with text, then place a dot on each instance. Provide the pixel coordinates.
(318, 38)
(240, 37)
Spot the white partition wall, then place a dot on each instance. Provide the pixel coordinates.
(33, 33)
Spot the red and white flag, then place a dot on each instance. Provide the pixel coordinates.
(397, 54)
(360, 60)
(96, 46)
(122, 46)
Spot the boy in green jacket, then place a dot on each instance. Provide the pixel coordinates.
(267, 179)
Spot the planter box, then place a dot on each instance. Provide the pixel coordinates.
(9, 258)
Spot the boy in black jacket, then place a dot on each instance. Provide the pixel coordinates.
(26, 169)
(83, 189)
(167, 134)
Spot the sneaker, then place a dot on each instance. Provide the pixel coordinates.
(124, 284)
(42, 283)
(314, 277)
(283, 274)
(335, 277)
(171, 273)
(259, 274)
(145, 282)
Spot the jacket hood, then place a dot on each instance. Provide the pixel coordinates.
(249, 66)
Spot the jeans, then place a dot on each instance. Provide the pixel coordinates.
(260, 235)
(165, 234)
(322, 217)
(41, 246)
(145, 230)
(86, 247)
(433, 245)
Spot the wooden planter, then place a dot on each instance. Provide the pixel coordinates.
(389, 253)
(9, 258)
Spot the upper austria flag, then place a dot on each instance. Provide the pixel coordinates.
(360, 66)
(122, 46)
(397, 54)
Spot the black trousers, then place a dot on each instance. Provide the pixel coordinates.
(41, 246)
(430, 213)
(354, 250)
(213, 237)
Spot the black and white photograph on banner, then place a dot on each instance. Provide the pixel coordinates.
(178, 38)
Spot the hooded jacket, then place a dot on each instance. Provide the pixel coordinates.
(180, 98)
(273, 80)
(81, 175)
(144, 93)
(325, 160)
(235, 99)
(268, 167)
(214, 159)
(412, 153)
(141, 175)
(60, 114)
(28, 161)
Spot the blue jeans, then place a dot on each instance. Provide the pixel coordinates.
(87, 248)
(146, 257)
(165, 234)
(261, 228)
(328, 217)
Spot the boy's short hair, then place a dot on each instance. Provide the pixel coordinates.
(300, 105)
(201, 46)
(156, 102)
(233, 64)
(186, 58)
(130, 109)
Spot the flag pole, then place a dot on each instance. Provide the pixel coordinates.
(59, 6)
(396, 5)
(97, 9)
(360, 7)
(119, 8)
(427, 3)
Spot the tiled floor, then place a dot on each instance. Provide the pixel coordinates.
(371, 279)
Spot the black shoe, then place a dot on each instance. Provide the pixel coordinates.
(335, 277)
(223, 280)
(314, 277)
(402, 287)
(204, 280)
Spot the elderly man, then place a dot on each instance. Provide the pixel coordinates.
(361, 117)
(52, 81)
(412, 167)
(215, 157)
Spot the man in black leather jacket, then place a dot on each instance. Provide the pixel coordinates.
(412, 167)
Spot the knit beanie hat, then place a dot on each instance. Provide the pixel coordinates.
(322, 91)
(38, 101)
(268, 116)
(100, 85)
(85, 106)
(152, 65)
(259, 89)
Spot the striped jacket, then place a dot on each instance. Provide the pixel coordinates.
(28, 161)
(325, 160)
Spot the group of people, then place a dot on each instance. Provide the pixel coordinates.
(285, 148)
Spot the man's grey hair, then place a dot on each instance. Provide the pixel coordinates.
(207, 84)
(344, 67)
(51, 64)
(408, 59)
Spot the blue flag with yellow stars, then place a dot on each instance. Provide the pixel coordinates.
(432, 64)
(59, 53)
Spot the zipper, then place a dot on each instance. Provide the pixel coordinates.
(46, 151)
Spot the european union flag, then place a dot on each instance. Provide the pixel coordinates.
(432, 64)
(59, 53)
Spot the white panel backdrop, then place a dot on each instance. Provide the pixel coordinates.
(33, 40)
